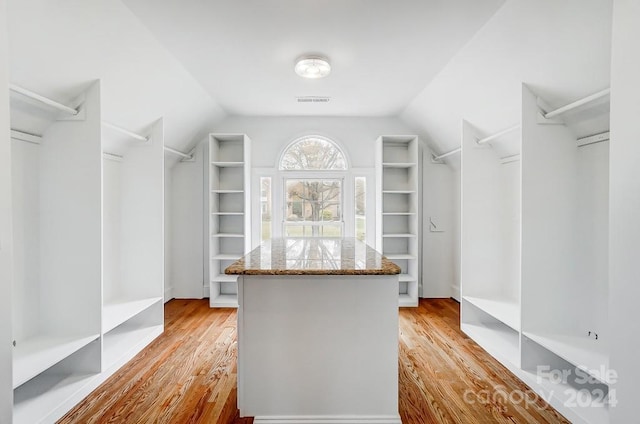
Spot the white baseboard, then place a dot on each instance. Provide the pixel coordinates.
(328, 419)
(168, 294)
(455, 292)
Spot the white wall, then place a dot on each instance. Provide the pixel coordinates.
(168, 236)
(438, 200)
(187, 229)
(269, 136)
(624, 206)
(6, 278)
(457, 209)
(111, 227)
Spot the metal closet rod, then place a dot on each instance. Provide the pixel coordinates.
(125, 131)
(177, 152)
(498, 134)
(68, 109)
(444, 155)
(578, 103)
(42, 99)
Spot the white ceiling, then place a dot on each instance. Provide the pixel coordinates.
(560, 49)
(432, 62)
(382, 52)
(58, 47)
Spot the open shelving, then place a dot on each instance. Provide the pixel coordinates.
(56, 296)
(229, 206)
(397, 205)
(491, 244)
(37, 354)
(526, 223)
(89, 253)
(133, 241)
(125, 340)
(117, 312)
(504, 310)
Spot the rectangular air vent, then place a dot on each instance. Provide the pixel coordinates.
(313, 99)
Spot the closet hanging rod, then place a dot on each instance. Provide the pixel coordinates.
(509, 159)
(593, 139)
(177, 152)
(444, 155)
(112, 156)
(45, 100)
(24, 136)
(498, 134)
(578, 103)
(125, 131)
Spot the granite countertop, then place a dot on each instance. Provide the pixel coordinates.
(313, 256)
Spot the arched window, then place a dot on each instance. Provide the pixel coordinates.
(312, 153)
(313, 188)
(312, 191)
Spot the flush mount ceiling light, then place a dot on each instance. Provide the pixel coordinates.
(313, 67)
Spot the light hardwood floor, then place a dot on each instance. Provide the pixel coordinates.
(188, 374)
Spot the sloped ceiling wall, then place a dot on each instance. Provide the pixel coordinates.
(561, 49)
(58, 47)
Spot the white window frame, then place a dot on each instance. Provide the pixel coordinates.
(278, 178)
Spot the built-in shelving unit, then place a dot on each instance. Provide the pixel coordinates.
(133, 241)
(89, 253)
(397, 205)
(526, 225)
(57, 254)
(229, 207)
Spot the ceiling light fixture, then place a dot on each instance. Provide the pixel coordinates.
(313, 67)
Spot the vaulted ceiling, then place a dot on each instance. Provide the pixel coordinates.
(430, 62)
(382, 52)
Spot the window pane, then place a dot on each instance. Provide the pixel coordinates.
(265, 207)
(316, 204)
(360, 206)
(313, 153)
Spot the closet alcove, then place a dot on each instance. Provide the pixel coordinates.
(88, 248)
(534, 259)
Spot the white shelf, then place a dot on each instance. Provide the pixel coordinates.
(398, 191)
(126, 340)
(497, 339)
(225, 191)
(224, 301)
(227, 213)
(228, 164)
(224, 278)
(37, 354)
(405, 299)
(589, 355)
(231, 235)
(398, 164)
(398, 213)
(504, 310)
(392, 256)
(38, 399)
(118, 311)
(226, 257)
(407, 278)
(400, 235)
(563, 394)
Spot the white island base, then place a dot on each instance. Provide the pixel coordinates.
(318, 349)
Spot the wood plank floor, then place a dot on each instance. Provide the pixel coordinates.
(188, 374)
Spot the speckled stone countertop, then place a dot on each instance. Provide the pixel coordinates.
(313, 256)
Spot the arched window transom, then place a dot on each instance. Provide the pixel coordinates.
(313, 153)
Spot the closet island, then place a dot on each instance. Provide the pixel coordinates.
(317, 332)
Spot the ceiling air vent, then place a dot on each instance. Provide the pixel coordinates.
(313, 99)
